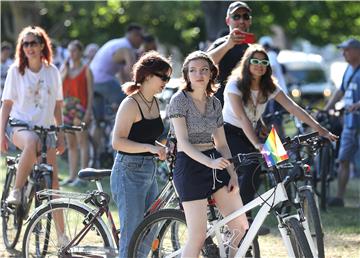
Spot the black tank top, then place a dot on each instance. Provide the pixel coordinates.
(145, 131)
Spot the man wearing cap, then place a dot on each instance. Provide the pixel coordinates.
(350, 136)
(227, 51)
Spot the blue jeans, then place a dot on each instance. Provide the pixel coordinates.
(134, 189)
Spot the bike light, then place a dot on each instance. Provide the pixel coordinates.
(327, 93)
(296, 93)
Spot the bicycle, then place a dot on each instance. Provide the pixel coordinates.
(93, 236)
(87, 231)
(293, 228)
(39, 178)
(304, 193)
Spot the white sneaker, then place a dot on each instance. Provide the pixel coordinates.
(14, 197)
(63, 240)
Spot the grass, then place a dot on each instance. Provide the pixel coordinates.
(341, 225)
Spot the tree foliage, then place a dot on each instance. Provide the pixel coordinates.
(180, 23)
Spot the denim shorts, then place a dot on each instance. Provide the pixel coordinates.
(10, 130)
(349, 144)
(195, 181)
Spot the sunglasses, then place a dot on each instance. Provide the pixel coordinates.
(27, 44)
(263, 62)
(163, 77)
(237, 17)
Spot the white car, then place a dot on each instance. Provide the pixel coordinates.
(305, 76)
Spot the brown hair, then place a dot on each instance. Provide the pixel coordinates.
(42, 37)
(211, 87)
(77, 44)
(243, 76)
(148, 64)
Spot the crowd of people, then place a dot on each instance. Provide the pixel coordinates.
(213, 116)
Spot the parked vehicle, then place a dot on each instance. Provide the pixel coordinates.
(305, 76)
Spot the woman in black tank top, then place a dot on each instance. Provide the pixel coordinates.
(137, 126)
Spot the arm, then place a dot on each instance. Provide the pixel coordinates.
(218, 52)
(238, 106)
(334, 98)
(4, 116)
(89, 88)
(125, 117)
(300, 113)
(59, 121)
(223, 148)
(184, 145)
(126, 56)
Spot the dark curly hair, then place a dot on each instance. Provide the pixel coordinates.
(211, 87)
(42, 37)
(243, 76)
(148, 64)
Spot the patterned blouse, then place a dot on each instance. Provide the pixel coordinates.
(200, 126)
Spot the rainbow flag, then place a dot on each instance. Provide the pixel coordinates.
(273, 150)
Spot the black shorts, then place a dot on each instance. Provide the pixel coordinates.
(195, 181)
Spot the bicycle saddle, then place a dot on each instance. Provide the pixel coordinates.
(93, 174)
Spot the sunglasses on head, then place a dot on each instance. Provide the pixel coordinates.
(263, 62)
(163, 77)
(30, 43)
(237, 17)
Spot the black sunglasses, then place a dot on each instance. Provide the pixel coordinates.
(30, 43)
(163, 77)
(237, 17)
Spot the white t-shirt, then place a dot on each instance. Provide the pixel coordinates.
(34, 95)
(252, 113)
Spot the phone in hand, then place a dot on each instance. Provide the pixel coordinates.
(249, 37)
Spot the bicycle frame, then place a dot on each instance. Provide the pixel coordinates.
(273, 197)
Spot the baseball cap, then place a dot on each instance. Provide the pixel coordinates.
(350, 43)
(236, 5)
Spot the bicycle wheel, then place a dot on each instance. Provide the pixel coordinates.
(165, 232)
(94, 242)
(10, 214)
(298, 239)
(313, 220)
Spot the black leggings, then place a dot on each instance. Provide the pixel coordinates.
(249, 176)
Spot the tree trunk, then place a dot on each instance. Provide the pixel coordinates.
(24, 14)
(215, 14)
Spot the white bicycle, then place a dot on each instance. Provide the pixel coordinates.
(163, 234)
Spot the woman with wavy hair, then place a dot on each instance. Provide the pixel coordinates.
(246, 94)
(32, 95)
(137, 127)
(202, 169)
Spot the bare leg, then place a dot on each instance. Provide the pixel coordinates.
(196, 219)
(83, 141)
(343, 178)
(26, 141)
(72, 155)
(58, 215)
(227, 204)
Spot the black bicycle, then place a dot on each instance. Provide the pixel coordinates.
(40, 178)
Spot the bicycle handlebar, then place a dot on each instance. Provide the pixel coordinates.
(36, 128)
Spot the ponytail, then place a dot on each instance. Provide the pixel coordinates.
(130, 87)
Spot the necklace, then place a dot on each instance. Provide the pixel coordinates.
(149, 104)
